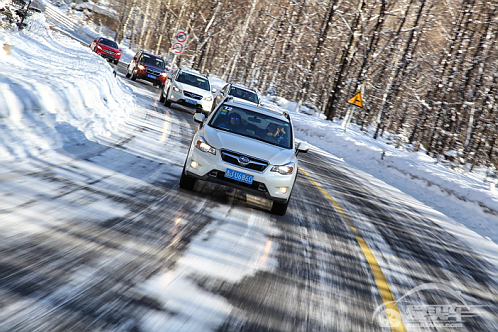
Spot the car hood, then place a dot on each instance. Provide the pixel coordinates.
(220, 139)
(193, 89)
(116, 50)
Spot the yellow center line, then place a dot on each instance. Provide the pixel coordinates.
(380, 278)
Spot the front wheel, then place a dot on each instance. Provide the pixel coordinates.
(133, 76)
(186, 182)
(167, 103)
(127, 72)
(280, 208)
(161, 97)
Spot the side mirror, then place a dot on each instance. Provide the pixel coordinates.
(213, 90)
(302, 147)
(199, 117)
(134, 58)
(120, 50)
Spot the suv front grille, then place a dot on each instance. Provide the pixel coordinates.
(109, 52)
(153, 71)
(254, 164)
(192, 95)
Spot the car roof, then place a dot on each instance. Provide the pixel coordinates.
(192, 72)
(152, 54)
(243, 87)
(282, 115)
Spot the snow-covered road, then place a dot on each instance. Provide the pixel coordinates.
(97, 236)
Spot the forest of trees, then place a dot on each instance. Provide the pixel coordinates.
(427, 69)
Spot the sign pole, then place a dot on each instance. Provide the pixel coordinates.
(355, 101)
(347, 118)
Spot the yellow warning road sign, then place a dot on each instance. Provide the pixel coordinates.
(356, 100)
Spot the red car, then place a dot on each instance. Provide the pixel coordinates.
(106, 48)
(148, 67)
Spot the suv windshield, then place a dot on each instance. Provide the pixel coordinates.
(244, 94)
(108, 42)
(193, 80)
(152, 60)
(256, 125)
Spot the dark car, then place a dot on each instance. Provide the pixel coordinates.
(107, 49)
(149, 67)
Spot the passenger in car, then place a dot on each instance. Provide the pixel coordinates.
(277, 133)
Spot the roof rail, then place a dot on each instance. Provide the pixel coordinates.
(284, 112)
(260, 105)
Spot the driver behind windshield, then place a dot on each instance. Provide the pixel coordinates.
(233, 122)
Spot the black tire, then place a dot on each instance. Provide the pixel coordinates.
(167, 103)
(187, 182)
(116, 62)
(161, 97)
(127, 73)
(133, 76)
(280, 208)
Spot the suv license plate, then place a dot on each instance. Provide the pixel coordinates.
(152, 76)
(191, 101)
(239, 176)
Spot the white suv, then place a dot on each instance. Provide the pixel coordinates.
(248, 148)
(188, 88)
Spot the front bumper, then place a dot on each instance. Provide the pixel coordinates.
(156, 79)
(265, 184)
(180, 98)
(109, 56)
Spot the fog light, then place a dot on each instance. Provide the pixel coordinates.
(172, 96)
(283, 190)
(194, 164)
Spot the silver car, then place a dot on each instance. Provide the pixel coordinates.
(239, 93)
(246, 147)
(189, 88)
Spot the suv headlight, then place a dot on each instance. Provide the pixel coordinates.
(177, 89)
(202, 145)
(284, 169)
(141, 67)
(208, 98)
